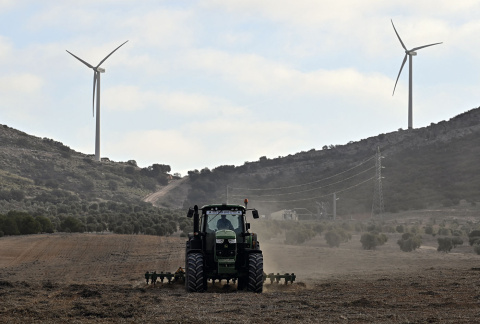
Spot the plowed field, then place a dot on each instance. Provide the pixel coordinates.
(95, 278)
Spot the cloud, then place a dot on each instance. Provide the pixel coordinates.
(205, 144)
(132, 98)
(162, 28)
(22, 84)
(171, 147)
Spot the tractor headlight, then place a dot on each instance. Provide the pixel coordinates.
(232, 241)
(219, 241)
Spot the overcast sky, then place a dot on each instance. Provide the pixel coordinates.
(215, 82)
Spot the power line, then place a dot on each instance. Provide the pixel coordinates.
(305, 184)
(318, 197)
(308, 190)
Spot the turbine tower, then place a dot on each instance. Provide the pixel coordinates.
(96, 82)
(408, 53)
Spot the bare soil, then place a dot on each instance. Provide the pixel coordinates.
(98, 278)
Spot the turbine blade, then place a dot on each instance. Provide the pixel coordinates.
(110, 54)
(403, 45)
(87, 64)
(94, 84)
(417, 48)
(399, 72)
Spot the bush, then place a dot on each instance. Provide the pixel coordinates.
(332, 238)
(456, 241)
(444, 244)
(335, 237)
(371, 240)
(474, 237)
(444, 231)
(409, 242)
(429, 230)
(298, 235)
(476, 248)
(400, 229)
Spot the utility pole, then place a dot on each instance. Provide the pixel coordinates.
(377, 204)
(227, 195)
(335, 205)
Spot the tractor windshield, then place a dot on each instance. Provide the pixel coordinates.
(224, 220)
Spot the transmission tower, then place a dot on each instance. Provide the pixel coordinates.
(377, 205)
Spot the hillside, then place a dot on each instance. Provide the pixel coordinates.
(423, 168)
(427, 167)
(38, 166)
(46, 187)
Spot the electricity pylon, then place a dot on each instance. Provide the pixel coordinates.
(377, 205)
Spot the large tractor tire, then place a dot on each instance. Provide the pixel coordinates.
(255, 272)
(195, 278)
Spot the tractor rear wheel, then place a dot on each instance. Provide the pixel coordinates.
(195, 277)
(255, 272)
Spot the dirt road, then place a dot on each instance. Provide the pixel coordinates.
(95, 278)
(154, 197)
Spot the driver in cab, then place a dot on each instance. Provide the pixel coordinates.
(224, 223)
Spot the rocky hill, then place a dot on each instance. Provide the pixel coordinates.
(33, 167)
(421, 168)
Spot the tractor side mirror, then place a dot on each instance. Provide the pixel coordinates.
(190, 213)
(248, 226)
(255, 213)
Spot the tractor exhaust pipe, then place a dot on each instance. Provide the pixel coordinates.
(196, 220)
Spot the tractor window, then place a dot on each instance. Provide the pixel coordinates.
(219, 220)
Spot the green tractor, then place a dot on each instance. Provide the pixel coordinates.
(222, 248)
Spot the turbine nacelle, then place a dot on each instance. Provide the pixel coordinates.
(412, 53)
(101, 70)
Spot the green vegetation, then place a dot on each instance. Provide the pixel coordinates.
(409, 242)
(336, 236)
(446, 244)
(474, 237)
(79, 218)
(371, 240)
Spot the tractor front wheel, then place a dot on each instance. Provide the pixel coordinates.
(255, 272)
(195, 277)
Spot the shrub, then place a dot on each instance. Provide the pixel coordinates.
(474, 237)
(298, 235)
(456, 241)
(444, 231)
(409, 242)
(371, 240)
(444, 244)
(476, 248)
(332, 238)
(335, 237)
(429, 230)
(400, 229)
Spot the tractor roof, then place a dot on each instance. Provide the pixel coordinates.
(223, 207)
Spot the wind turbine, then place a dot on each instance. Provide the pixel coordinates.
(408, 53)
(96, 81)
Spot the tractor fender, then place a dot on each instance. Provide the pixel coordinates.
(250, 251)
(194, 251)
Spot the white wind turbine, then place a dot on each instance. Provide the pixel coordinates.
(96, 81)
(408, 53)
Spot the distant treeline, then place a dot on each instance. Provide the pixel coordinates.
(79, 217)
